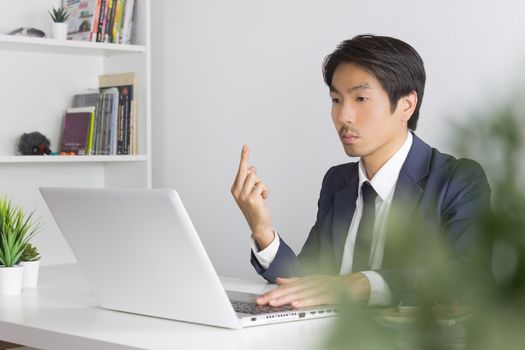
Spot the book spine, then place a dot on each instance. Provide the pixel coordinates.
(120, 138)
(128, 17)
(112, 21)
(114, 134)
(104, 131)
(108, 123)
(94, 24)
(101, 17)
(121, 116)
(131, 133)
(132, 115)
(122, 20)
(109, 118)
(89, 147)
(105, 20)
(117, 23)
(93, 128)
(127, 115)
(114, 118)
(134, 130)
(100, 123)
(109, 17)
(96, 125)
(100, 138)
(129, 38)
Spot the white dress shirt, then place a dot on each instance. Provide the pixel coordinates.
(384, 183)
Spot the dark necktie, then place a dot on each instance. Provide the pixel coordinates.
(363, 240)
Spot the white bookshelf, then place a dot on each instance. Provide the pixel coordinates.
(39, 78)
(71, 159)
(53, 46)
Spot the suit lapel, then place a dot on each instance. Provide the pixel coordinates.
(406, 199)
(343, 211)
(415, 169)
(408, 192)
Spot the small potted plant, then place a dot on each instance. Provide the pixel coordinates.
(16, 229)
(30, 260)
(59, 17)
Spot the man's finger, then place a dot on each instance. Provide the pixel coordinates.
(244, 170)
(275, 293)
(259, 189)
(245, 154)
(249, 184)
(301, 296)
(292, 286)
(322, 298)
(302, 289)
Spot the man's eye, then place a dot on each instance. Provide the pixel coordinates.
(335, 100)
(361, 99)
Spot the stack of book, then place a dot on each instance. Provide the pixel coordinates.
(103, 122)
(107, 21)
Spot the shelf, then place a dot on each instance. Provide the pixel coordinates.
(71, 159)
(69, 47)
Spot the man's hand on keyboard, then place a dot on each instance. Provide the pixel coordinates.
(316, 290)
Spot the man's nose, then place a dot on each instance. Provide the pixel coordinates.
(345, 114)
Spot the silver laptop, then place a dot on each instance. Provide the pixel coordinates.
(141, 254)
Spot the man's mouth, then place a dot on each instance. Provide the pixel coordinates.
(348, 138)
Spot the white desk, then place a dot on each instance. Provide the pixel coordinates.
(62, 313)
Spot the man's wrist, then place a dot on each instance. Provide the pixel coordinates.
(263, 236)
(358, 287)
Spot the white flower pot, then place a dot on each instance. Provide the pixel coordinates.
(31, 268)
(59, 31)
(11, 279)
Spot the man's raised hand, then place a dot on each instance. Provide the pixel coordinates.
(250, 194)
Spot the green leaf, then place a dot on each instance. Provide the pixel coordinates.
(16, 230)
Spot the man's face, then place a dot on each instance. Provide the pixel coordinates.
(362, 114)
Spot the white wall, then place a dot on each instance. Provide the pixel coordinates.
(235, 71)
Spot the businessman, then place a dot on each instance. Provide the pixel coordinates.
(376, 85)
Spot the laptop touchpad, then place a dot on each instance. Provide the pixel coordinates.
(242, 296)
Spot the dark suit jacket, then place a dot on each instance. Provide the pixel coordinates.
(445, 194)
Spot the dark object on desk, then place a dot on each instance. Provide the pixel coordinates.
(34, 143)
(26, 31)
(6, 346)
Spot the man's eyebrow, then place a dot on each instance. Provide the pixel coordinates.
(361, 86)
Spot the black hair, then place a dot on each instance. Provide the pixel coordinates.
(396, 65)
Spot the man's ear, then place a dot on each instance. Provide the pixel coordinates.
(407, 105)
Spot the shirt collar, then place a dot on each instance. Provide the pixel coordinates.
(385, 179)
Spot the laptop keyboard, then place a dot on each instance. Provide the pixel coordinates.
(254, 309)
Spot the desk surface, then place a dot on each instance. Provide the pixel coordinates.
(62, 313)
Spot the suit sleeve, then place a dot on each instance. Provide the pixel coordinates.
(286, 263)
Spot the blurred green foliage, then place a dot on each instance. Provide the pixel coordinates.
(30, 253)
